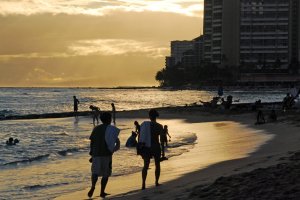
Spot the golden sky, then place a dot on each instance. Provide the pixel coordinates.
(97, 43)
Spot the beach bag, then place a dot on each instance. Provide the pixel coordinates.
(142, 150)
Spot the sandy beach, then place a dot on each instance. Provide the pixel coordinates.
(260, 152)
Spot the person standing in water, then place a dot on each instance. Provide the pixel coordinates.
(76, 102)
(150, 146)
(113, 113)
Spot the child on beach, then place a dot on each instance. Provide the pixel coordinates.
(164, 141)
(131, 141)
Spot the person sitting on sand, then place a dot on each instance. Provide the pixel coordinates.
(164, 141)
(273, 116)
(260, 118)
(131, 141)
(95, 113)
(212, 103)
(150, 147)
(104, 142)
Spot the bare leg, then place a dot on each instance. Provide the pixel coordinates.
(144, 172)
(157, 169)
(104, 181)
(162, 149)
(94, 180)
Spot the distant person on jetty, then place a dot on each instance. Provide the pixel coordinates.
(113, 109)
(104, 142)
(260, 118)
(76, 102)
(131, 141)
(220, 90)
(12, 141)
(212, 103)
(164, 141)
(149, 146)
(95, 113)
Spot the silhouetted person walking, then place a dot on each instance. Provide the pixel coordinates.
(113, 109)
(76, 102)
(104, 142)
(164, 141)
(149, 140)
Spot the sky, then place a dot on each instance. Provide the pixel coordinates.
(91, 43)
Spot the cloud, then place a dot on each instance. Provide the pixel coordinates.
(110, 47)
(192, 8)
(102, 47)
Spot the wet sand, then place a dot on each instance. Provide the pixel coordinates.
(187, 176)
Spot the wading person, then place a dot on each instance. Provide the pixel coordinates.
(149, 145)
(76, 102)
(104, 142)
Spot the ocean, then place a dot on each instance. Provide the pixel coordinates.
(52, 156)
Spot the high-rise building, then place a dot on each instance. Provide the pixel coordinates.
(187, 53)
(256, 33)
(179, 47)
(221, 31)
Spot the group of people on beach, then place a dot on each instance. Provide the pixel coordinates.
(96, 112)
(104, 141)
(132, 141)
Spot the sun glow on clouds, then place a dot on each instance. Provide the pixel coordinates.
(101, 47)
(109, 47)
(192, 8)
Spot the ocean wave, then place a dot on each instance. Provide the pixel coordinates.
(44, 157)
(28, 160)
(187, 140)
(39, 187)
(69, 151)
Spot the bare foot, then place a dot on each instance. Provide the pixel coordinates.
(91, 192)
(103, 195)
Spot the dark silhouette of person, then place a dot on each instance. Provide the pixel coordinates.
(260, 118)
(113, 113)
(137, 129)
(273, 116)
(220, 90)
(154, 149)
(102, 154)
(95, 113)
(12, 141)
(164, 141)
(76, 102)
(131, 141)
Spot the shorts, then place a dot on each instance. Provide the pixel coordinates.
(102, 166)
